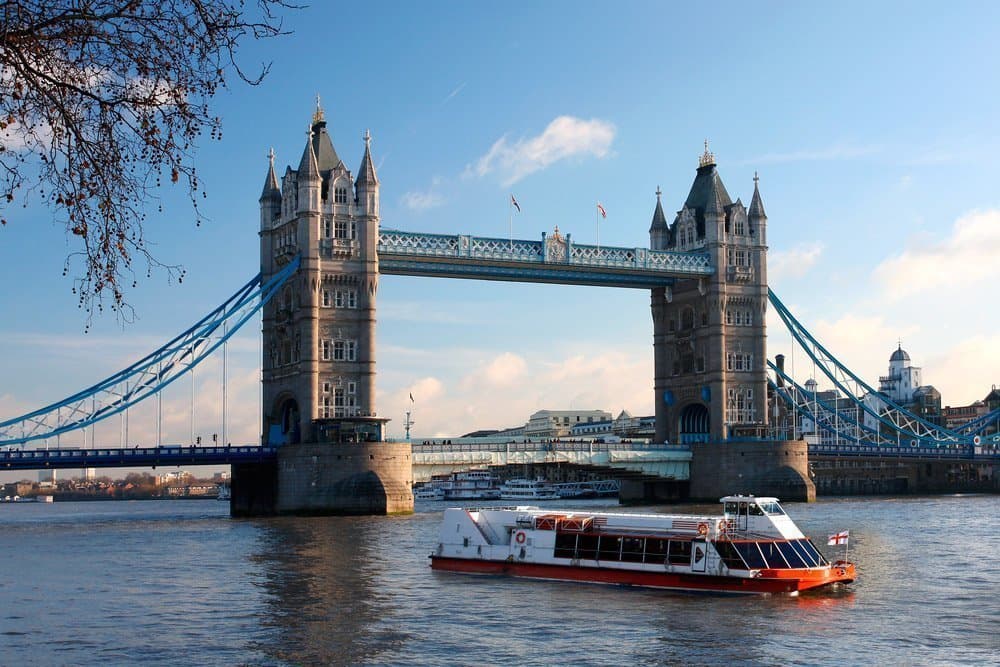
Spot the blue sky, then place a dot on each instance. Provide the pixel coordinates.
(873, 129)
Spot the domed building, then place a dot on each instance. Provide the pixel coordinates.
(903, 386)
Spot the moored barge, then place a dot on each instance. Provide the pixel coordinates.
(753, 548)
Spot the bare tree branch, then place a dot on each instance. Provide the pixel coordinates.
(102, 99)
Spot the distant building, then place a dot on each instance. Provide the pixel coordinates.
(956, 417)
(90, 474)
(622, 426)
(559, 423)
(903, 386)
(47, 476)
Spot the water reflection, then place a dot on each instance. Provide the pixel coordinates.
(319, 577)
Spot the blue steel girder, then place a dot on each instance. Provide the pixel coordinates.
(132, 457)
(546, 261)
(151, 374)
(885, 410)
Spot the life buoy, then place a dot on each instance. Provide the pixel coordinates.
(723, 526)
(520, 537)
(841, 572)
(702, 528)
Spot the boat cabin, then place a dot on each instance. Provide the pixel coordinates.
(749, 513)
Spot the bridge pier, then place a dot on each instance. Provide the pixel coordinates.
(777, 468)
(326, 479)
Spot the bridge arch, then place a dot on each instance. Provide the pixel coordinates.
(694, 423)
(285, 427)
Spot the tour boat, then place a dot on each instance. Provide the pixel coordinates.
(428, 492)
(473, 485)
(527, 489)
(753, 548)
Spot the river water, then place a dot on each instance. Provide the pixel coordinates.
(179, 582)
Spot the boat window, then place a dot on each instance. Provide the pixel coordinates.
(755, 510)
(803, 554)
(656, 550)
(730, 556)
(771, 555)
(565, 545)
(679, 552)
(611, 547)
(811, 549)
(751, 554)
(793, 558)
(632, 549)
(772, 508)
(731, 508)
(586, 547)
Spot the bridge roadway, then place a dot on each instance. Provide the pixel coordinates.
(133, 457)
(435, 457)
(666, 461)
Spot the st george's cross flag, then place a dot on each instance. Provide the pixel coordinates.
(600, 209)
(838, 538)
(514, 202)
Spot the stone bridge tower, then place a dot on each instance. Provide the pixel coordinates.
(319, 337)
(709, 334)
(710, 348)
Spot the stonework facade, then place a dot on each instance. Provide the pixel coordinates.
(319, 330)
(709, 335)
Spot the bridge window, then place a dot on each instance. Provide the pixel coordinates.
(324, 350)
(740, 225)
(326, 300)
(687, 319)
(340, 195)
(327, 227)
(352, 387)
(340, 229)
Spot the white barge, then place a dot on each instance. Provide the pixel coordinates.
(753, 548)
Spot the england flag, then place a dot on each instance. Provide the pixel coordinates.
(838, 538)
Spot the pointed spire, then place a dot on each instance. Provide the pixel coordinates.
(308, 169)
(366, 172)
(707, 159)
(659, 220)
(271, 187)
(715, 204)
(756, 205)
(318, 114)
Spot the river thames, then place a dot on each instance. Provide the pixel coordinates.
(179, 582)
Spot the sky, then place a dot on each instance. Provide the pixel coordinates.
(872, 126)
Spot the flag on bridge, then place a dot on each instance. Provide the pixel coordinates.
(514, 202)
(600, 209)
(838, 538)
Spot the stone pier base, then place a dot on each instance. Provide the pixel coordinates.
(778, 468)
(327, 478)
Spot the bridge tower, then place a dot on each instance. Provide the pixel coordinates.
(319, 337)
(709, 334)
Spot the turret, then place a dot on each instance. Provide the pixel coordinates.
(309, 180)
(756, 215)
(366, 186)
(659, 233)
(270, 197)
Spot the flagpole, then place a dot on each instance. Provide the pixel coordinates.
(510, 221)
(597, 217)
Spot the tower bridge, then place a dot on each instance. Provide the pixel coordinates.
(322, 252)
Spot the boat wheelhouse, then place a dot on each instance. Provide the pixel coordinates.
(753, 548)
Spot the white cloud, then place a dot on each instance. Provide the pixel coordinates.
(454, 92)
(792, 263)
(504, 389)
(565, 137)
(967, 256)
(505, 370)
(421, 201)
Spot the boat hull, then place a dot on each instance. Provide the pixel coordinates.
(769, 581)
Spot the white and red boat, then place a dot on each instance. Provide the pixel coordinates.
(753, 548)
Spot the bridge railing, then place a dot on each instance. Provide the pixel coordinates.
(461, 246)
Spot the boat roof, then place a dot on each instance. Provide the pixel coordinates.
(751, 498)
